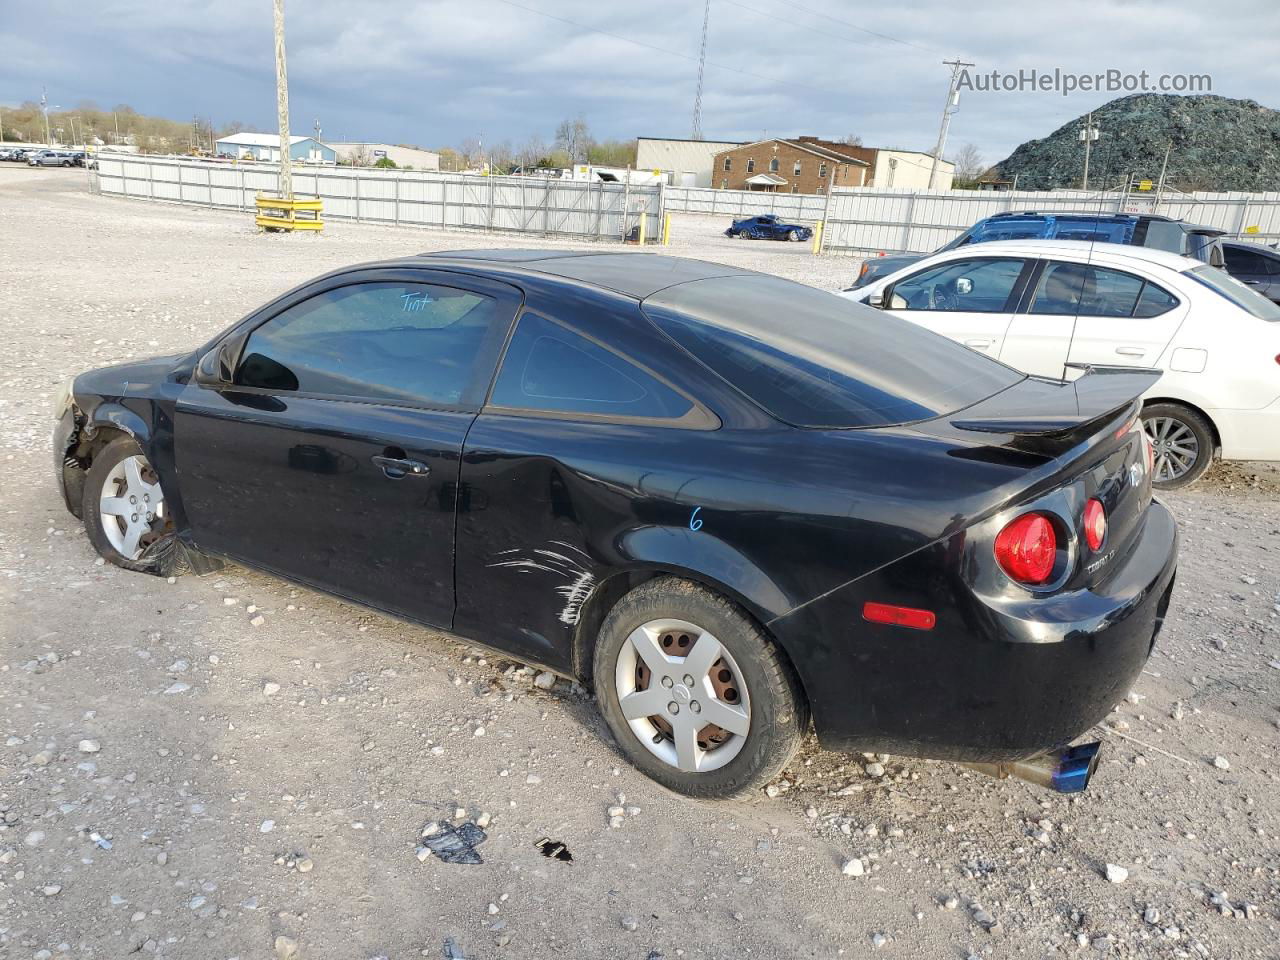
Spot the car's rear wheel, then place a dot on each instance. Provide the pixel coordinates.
(123, 507)
(1182, 443)
(695, 693)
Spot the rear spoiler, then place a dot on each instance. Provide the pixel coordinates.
(1060, 410)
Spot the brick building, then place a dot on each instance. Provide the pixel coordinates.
(813, 165)
(802, 165)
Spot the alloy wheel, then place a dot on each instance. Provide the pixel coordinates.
(1175, 447)
(131, 506)
(683, 695)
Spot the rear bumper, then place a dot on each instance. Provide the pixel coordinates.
(986, 684)
(1249, 434)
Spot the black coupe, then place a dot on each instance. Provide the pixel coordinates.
(729, 501)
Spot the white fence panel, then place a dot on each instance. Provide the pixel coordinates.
(566, 208)
(745, 203)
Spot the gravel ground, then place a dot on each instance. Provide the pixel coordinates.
(177, 781)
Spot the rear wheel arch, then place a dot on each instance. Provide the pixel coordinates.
(1151, 401)
(612, 589)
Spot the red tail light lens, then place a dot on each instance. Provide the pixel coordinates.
(1027, 548)
(1095, 524)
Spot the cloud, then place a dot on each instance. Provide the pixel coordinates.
(437, 71)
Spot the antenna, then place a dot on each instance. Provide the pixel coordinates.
(702, 64)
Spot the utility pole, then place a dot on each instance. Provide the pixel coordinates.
(282, 105)
(948, 108)
(1088, 134)
(316, 127)
(702, 64)
(44, 108)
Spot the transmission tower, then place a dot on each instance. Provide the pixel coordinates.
(702, 64)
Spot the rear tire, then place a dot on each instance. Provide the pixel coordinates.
(1183, 444)
(654, 640)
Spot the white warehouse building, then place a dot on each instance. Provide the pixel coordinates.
(686, 163)
(367, 152)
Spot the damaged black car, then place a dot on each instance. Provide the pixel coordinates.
(733, 504)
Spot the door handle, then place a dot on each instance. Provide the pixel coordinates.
(977, 343)
(395, 468)
(1130, 351)
(1253, 283)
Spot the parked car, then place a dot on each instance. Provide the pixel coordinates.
(623, 469)
(1255, 265)
(768, 227)
(1052, 307)
(50, 158)
(21, 154)
(1139, 230)
(6, 152)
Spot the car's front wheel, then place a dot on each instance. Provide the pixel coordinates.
(1182, 443)
(795, 236)
(123, 507)
(695, 693)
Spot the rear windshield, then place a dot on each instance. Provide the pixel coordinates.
(1251, 301)
(813, 359)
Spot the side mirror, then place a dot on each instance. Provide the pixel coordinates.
(217, 367)
(876, 300)
(964, 286)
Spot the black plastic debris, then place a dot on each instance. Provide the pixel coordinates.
(554, 849)
(456, 844)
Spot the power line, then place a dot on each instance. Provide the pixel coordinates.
(873, 33)
(792, 23)
(670, 53)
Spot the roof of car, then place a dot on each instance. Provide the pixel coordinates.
(1044, 248)
(634, 274)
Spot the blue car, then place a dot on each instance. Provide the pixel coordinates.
(767, 227)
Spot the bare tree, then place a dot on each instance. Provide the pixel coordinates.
(969, 162)
(852, 139)
(574, 138)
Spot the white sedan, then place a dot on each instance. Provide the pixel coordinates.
(1053, 307)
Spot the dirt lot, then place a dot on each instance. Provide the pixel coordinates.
(177, 781)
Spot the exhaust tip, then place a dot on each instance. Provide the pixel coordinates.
(1075, 767)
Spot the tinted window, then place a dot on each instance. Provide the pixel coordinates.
(1246, 261)
(385, 341)
(1078, 289)
(549, 367)
(969, 286)
(814, 359)
(1060, 288)
(1246, 298)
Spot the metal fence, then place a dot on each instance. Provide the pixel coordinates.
(870, 220)
(560, 208)
(745, 203)
(864, 220)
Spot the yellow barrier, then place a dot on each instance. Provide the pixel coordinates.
(643, 220)
(817, 237)
(277, 213)
(666, 230)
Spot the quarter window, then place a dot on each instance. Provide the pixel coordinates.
(550, 368)
(978, 285)
(410, 342)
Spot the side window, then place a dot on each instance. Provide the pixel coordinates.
(551, 368)
(1077, 289)
(979, 285)
(410, 342)
(1246, 262)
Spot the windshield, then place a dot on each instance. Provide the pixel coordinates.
(1248, 300)
(813, 359)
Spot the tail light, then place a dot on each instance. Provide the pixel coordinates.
(1027, 548)
(1095, 524)
(1148, 450)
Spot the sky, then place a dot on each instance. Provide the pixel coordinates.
(438, 72)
